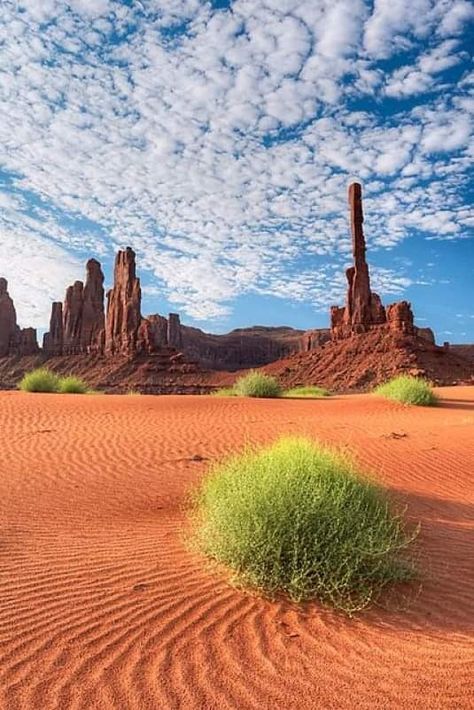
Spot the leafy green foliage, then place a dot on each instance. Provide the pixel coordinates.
(40, 380)
(306, 391)
(257, 384)
(409, 390)
(73, 385)
(296, 518)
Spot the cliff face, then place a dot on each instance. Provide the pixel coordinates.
(247, 347)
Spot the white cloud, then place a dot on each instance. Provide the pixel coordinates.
(38, 272)
(222, 153)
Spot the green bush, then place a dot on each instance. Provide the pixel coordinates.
(72, 385)
(225, 392)
(40, 380)
(297, 518)
(257, 384)
(306, 391)
(409, 390)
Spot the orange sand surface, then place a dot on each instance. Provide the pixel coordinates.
(102, 605)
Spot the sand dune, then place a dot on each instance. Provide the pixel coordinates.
(102, 605)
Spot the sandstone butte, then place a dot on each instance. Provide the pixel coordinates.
(117, 346)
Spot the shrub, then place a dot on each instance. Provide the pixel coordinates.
(297, 518)
(257, 384)
(40, 380)
(72, 385)
(409, 390)
(306, 391)
(225, 392)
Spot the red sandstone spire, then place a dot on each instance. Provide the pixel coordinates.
(123, 306)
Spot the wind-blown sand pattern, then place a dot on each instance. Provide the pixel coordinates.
(103, 606)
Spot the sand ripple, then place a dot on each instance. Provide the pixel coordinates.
(103, 605)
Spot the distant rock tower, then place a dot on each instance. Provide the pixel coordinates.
(364, 309)
(123, 307)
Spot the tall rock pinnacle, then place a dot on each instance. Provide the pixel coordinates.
(7, 319)
(13, 339)
(358, 301)
(123, 307)
(53, 340)
(364, 309)
(93, 315)
(72, 318)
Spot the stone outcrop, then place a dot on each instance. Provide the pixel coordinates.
(78, 326)
(400, 318)
(174, 331)
(92, 338)
(53, 339)
(123, 307)
(25, 342)
(364, 309)
(8, 326)
(72, 318)
(13, 339)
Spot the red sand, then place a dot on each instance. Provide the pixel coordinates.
(102, 606)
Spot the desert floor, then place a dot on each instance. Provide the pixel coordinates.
(103, 606)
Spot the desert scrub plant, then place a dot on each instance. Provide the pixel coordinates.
(257, 384)
(39, 380)
(297, 518)
(409, 390)
(306, 391)
(225, 392)
(72, 385)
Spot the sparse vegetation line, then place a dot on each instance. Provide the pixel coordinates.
(259, 384)
(43, 380)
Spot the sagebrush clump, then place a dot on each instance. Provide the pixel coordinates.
(297, 518)
(43, 380)
(409, 390)
(40, 380)
(257, 384)
(308, 391)
(73, 385)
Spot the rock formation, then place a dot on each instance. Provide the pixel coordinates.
(174, 331)
(72, 318)
(25, 342)
(364, 310)
(78, 326)
(8, 324)
(92, 336)
(400, 318)
(13, 339)
(123, 307)
(53, 340)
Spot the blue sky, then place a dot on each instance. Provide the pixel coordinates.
(218, 139)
